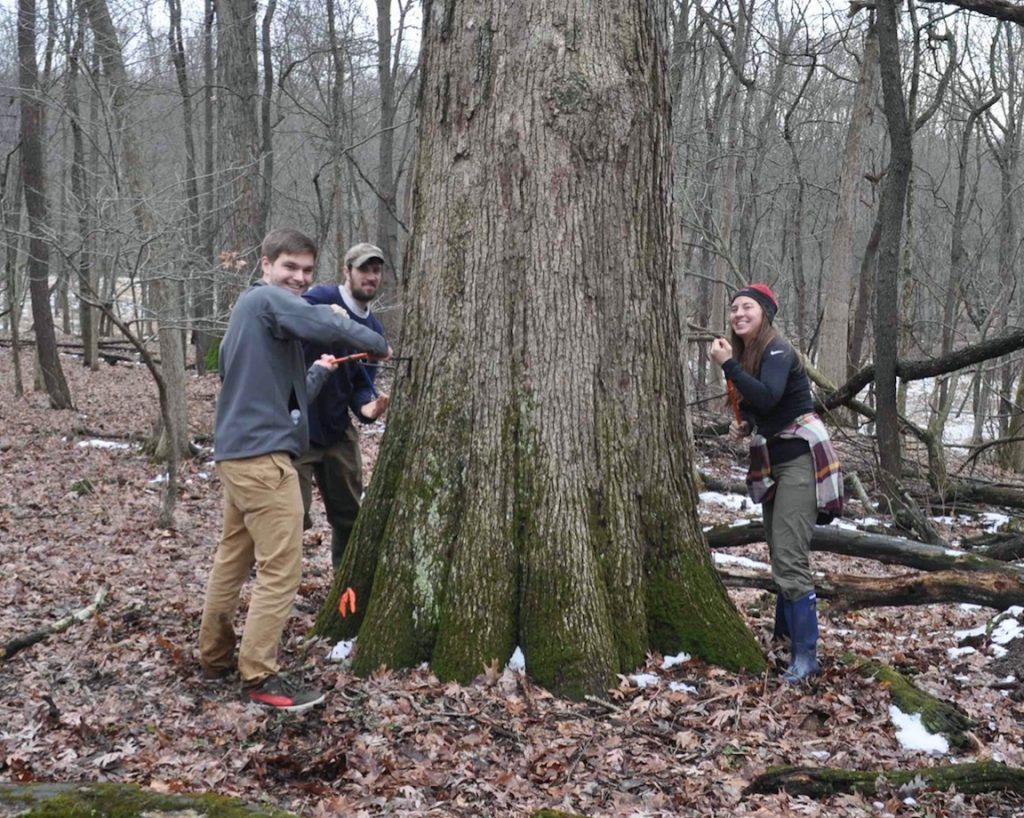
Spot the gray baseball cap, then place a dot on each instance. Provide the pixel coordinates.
(359, 254)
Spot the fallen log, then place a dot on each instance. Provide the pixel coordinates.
(125, 800)
(61, 625)
(821, 782)
(991, 590)
(878, 547)
(988, 493)
(938, 716)
(1001, 547)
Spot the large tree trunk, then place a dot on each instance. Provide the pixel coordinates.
(33, 177)
(534, 486)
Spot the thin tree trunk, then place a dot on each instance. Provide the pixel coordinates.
(12, 210)
(238, 133)
(33, 177)
(834, 356)
(533, 486)
(894, 193)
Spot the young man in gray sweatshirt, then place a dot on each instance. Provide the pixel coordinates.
(261, 426)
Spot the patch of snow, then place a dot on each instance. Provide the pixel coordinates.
(1009, 680)
(672, 661)
(1014, 610)
(956, 653)
(102, 444)
(978, 631)
(341, 651)
(681, 687)
(913, 735)
(868, 521)
(202, 475)
(993, 520)
(743, 562)
(953, 552)
(840, 523)
(644, 679)
(969, 606)
(821, 755)
(517, 662)
(910, 802)
(998, 651)
(160, 478)
(737, 502)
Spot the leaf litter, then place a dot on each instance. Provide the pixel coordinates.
(118, 698)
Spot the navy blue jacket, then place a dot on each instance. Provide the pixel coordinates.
(778, 395)
(349, 387)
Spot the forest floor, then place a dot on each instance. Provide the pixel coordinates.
(118, 697)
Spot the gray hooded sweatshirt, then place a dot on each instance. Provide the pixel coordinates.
(262, 406)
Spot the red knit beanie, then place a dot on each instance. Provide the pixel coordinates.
(764, 296)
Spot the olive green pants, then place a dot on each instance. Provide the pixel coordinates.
(789, 520)
(338, 471)
(262, 527)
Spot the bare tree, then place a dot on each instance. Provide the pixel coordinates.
(33, 178)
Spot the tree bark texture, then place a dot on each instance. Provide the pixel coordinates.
(894, 192)
(533, 487)
(34, 180)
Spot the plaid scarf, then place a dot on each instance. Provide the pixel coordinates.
(828, 474)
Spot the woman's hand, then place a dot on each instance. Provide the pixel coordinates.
(721, 351)
(738, 431)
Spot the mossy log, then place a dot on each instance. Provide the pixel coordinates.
(821, 782)
(889, 550)
(938, 716)
(91, 800)
(991, 590)
(555, 813)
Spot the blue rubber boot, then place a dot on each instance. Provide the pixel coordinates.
(802, 616)
(781, 629)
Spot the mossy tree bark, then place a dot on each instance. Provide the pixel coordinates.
(534, 485)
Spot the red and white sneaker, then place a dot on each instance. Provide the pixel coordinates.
(281, 693)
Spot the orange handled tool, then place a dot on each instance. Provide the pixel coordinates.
(359, 356)
(734, 400)
(346, 601)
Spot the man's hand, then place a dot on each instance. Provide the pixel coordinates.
(738, 431)
(375, 408)
(337, 309)
(374, 359)
(721, 351)
(327, 362)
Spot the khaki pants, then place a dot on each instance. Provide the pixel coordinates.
(789, 523)
(262, 527)
(338, 470)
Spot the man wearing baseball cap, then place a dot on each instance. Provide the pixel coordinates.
(333, 459)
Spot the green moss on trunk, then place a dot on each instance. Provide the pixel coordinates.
(44, 800)
(822, 782)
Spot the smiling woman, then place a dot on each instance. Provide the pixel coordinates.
(794, 472)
